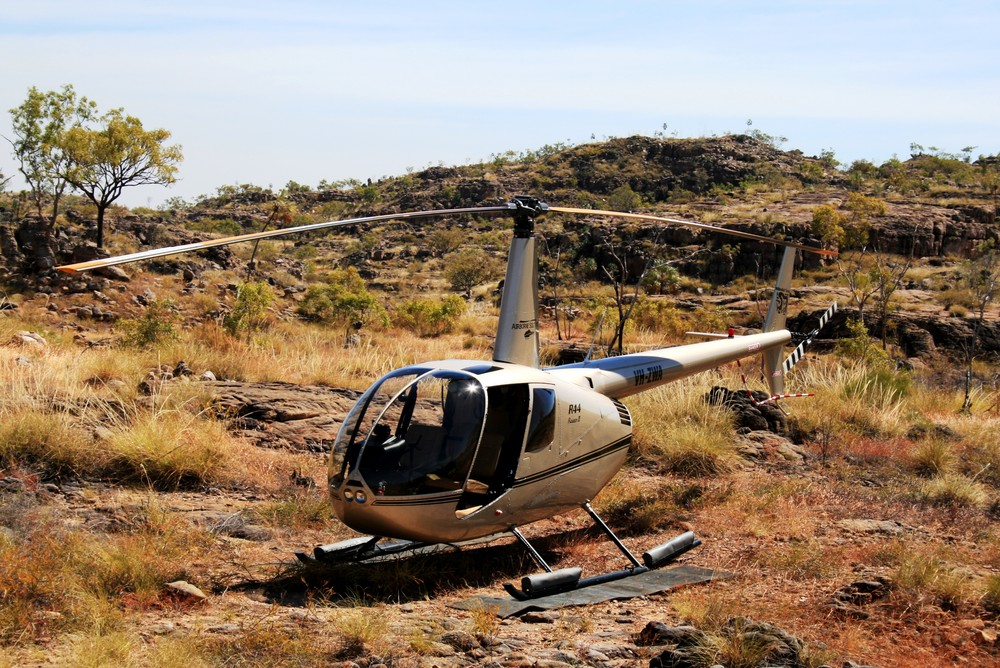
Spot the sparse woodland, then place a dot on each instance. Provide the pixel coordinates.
(867, 528)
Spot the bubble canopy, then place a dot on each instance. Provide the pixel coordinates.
(414, 432)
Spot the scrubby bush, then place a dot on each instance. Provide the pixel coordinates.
(446, 240)
(468, 268)
(430, 317)
(221, 226)
(344, 300)
(155, 325)
(859, 346)
(249, 315)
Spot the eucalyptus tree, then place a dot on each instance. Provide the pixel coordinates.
(113, 153)
(61, 141)
(981, 276)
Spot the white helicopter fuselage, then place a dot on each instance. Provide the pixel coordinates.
(542, 445)
(511, 471)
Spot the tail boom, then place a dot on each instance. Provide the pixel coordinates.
(618, 377)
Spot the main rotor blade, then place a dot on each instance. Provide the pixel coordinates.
(691, 223)
(225, 241)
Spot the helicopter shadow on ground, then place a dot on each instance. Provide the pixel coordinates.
(405, 578)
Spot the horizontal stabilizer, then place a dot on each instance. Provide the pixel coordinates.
(710, 335)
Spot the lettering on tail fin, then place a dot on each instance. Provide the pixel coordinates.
(781, 301)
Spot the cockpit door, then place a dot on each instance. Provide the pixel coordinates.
(520, 419)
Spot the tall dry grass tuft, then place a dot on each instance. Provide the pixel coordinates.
(678, 431)
(933, 456)
(953, 489)
(929, 575)
(48, 441)
(976, 442)
(297, 509)
(854, 399)
(636, 509)
(362, 630)
(167, 449)
(170, 448)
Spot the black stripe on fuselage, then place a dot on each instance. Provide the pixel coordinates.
(421, 499)
(575, 463)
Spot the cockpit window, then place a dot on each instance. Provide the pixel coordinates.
(361, 419)
(425, 439)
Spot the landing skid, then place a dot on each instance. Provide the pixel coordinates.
(568, 579)
(369, 549)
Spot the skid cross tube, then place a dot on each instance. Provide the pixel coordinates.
(531, 550)
(611, 534)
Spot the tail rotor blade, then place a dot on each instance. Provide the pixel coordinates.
(796, 354)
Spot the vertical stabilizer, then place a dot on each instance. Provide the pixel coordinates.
(777, 314)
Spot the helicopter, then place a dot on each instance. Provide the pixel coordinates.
(462, 451)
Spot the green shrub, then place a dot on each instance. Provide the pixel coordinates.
(155, 325)
(342, 300)
(446, 240)
(430, 317)
(223, 226)
(858, 345)
(468, 268)
(249, 315)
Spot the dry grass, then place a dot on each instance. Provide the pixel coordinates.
(60, 414)
(933, 456)
(298, 509)
(164, 449)
(264, 643)
(952, 489)
(312, 355)
(678, 431)
(55, 579)
(50, 441)
(854, 400)
(930, 574)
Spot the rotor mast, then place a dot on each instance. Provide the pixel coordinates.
(517, 330)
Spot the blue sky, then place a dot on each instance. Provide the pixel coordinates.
(305, 90)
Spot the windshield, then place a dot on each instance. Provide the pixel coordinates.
(360, 420)
(426, 438)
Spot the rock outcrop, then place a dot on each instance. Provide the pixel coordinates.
(283, 415)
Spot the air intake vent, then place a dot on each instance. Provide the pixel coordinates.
(623, 414)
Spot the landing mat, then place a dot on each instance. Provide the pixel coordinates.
(644, 584)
